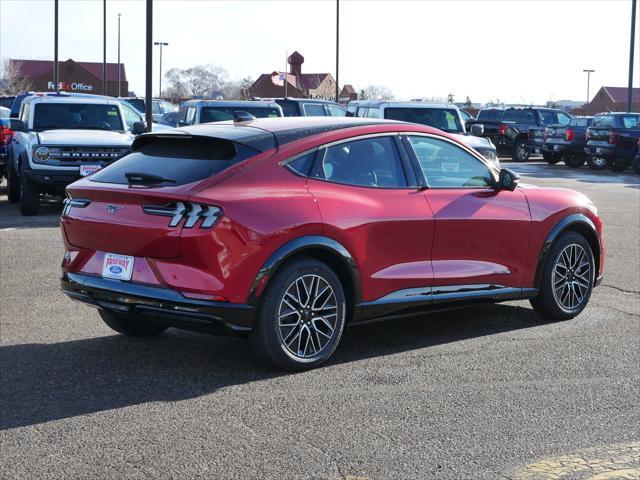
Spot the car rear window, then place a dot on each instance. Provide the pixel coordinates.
(444, 119)
(137, 103)
(580, 122)
(177, 160)
(519, 116)
(603, 121)
(490, 115)
(221, 114)
(85, 116)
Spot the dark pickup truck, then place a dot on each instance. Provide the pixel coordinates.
(520, 131)
(613, 137)
(567, 142)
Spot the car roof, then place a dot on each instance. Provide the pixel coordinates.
(267, 133)
(72, 99)
(305, 100)
(229, 103)
(385, 103)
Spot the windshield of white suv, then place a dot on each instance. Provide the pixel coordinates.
(84, 116)
(445, 119)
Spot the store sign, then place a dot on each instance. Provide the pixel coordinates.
(71, 87)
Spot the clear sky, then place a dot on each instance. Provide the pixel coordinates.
(518, 51)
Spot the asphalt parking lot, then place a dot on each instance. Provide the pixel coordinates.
(482, 393)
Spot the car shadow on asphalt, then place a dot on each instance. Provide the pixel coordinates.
(46, 382)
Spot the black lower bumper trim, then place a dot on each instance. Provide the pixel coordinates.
(170, 306)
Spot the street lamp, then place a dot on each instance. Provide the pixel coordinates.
(119, 75)
(56, 79)
(160, 80)
(588, 72)
(633, 34)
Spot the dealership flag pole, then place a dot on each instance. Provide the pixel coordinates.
(149, 65)
(56, 80)
(631, 47)
(104, 47)
(119, 75)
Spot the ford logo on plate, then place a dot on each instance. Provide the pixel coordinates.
(115, 269)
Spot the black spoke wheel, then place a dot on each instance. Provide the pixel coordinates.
(520, 151)
(567, 279)
(301, 316)
(596, 163)
(574, 161)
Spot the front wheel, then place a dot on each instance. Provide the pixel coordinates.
(551, 158)
(596, 163)
(13, 185)
(574, 161)
(520, 151)
(567, 278)
(131, 326)
(617, 165)
(29, 197)
(301, 316)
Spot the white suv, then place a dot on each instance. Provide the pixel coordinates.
(60, 138)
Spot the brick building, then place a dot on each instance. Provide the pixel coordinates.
(299, 85)
(80, 77)
(610, 99)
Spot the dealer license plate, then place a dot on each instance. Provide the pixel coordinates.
(119, 267)
(88, 169)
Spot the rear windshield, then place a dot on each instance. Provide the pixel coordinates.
(137, 103)
(447, 120)
(520, 116)
(490, 115)
(580, 122)
(85, 116)
(603, 121)
(220, 114)
(177, 161)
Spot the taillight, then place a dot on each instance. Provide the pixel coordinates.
(502, 129)
(613, 138)
(5, 135)
(569, 134)
(191, 211)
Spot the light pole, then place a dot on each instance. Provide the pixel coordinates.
(588, 72)
(56, 79)
(119, 75)
(160, 80)
(337, 47)
(104, 47)
(633, 31)
(148, 114)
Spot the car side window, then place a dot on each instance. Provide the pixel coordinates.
(302, 165)
(370, 162)
(547, 117)
(130, 116)
(563, 118)
(336, 111)
(373, 113)
(446, 165)
(362, 112)
(313, 110)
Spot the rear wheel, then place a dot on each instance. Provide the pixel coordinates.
(596, 163)
(551, 158)
(130, 325)
(520, 151)
(617, 165)
(29, 197)
(574, 161)
(567, 278)
(301, 316)
(13, 185)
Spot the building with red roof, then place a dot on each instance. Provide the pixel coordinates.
(611, 99)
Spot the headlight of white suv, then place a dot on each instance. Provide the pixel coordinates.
(42, 154)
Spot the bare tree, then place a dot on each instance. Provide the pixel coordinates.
(378, 92)
(12, 82)
(200, 81)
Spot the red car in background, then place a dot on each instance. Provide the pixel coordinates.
(288, 229)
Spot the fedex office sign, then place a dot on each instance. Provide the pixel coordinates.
(73, 86)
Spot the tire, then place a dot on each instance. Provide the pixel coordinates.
(572, 256)
(574, 161)
(129, 325)
(29, 197)
(520, 151)
(635, 164)
(288, 333)
(13, 185)
(596, 163)
(617, 165)
(551, 158)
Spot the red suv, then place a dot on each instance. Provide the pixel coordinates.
(286, 230)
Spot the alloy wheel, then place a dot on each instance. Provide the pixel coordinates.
(571, 277)
(307, 316)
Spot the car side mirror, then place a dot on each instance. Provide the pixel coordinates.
(17, 125)
(138, 128)
(508, 179)
(477, 130)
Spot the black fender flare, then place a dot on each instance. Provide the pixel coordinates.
(300, 245)
(566, 223)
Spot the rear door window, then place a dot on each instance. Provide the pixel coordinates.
(176, 160)
(547, 117)
(336, 111)
(314, 110)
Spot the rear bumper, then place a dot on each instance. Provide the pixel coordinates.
(600, 151)
(158, 303)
